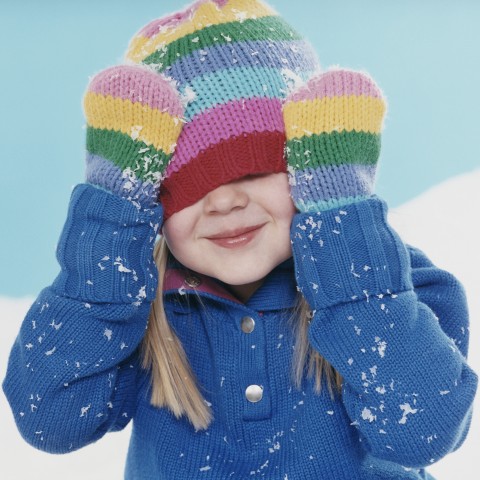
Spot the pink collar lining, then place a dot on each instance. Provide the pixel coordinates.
(184, 281)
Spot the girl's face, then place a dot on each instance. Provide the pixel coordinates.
(237, 233)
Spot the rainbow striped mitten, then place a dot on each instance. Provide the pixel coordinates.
(134, 118)
(333, 126)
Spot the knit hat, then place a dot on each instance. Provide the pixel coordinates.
(232, 63)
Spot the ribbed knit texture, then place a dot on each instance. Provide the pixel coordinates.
(233, 63)
(384, 317)
(121, 269)
(333, 126)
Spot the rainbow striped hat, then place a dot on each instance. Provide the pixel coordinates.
(227, 66)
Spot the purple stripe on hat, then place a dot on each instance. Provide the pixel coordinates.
(102, 172)
(336, 83)
(325, 183)
(138, 84)
(225, 121)
(295, 55)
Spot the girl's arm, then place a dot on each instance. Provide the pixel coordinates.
(393, 325)
(72, 370)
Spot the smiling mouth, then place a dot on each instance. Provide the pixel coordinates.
(237, 237)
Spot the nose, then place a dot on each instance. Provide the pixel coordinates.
(226, 198)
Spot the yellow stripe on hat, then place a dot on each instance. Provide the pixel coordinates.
(329, 114)
(138, 121)
(205, 15)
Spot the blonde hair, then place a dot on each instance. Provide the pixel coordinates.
(174, 385)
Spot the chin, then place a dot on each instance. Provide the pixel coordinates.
(237, 280)
(245, 274)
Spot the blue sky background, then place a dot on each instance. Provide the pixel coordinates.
(423, 53)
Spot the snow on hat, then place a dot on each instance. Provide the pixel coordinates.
(232, 63)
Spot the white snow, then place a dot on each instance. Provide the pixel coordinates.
(443, 222)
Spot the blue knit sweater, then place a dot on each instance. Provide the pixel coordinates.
(384, 317)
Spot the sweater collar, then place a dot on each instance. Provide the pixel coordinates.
(277, 292)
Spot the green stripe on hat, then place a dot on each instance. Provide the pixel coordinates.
(271, 28)
(335, 148)
(124, 152)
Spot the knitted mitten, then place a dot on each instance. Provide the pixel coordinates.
(133, 122)
(333, 126)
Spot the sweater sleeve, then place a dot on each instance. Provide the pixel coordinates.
(393, 325)
(72, 369)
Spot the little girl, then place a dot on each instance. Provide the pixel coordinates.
(278, 328)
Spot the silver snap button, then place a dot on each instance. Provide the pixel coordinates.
(254, 393)
(247, 325)
(193, 281)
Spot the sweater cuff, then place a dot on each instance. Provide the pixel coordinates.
(105, 250)
(348, 253)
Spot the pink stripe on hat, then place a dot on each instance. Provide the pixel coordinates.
(233, 119)
(174, 20)
(254, 153)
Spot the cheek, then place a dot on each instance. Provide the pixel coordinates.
(286, 212)
(283, 211)
(285, 208)
(280, 197)
(175, 234)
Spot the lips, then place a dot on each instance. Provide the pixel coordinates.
(237, 237)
